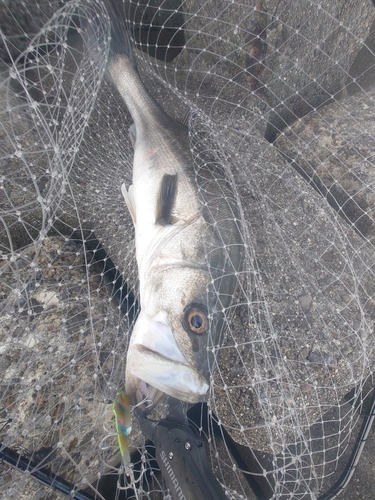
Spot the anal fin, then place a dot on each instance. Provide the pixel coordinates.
(166, 199)
(129, 200)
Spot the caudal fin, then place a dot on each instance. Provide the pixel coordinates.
(120, 40)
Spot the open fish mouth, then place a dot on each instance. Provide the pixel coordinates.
(147, 396)
(157, 374)
(155, 365)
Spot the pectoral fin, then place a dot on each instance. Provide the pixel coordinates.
(132, 134)
(186, 118)
(166, 199)
(129, 200)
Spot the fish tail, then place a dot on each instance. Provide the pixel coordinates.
(120, 40)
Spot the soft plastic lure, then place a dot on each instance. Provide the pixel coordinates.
(121, 409)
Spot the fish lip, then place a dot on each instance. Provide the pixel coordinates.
(152, 352)
(171, 377)
(155, 336)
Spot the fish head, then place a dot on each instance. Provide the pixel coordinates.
(171, 349)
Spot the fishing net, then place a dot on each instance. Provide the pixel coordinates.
(280, 95)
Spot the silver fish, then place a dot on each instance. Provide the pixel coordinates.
(188, 246)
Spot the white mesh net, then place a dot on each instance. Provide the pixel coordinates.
(281, 97)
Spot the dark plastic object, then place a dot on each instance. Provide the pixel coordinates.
(43, 474)
(181, 456)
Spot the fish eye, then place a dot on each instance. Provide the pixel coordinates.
(195, 319)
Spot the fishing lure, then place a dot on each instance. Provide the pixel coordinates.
(121, 409)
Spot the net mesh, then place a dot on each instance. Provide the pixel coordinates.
(280, 96)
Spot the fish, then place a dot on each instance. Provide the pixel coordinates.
(121, 410)
(187, 241)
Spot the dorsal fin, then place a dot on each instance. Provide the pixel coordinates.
(166, 199)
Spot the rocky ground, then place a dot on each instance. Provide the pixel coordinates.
(300, 333)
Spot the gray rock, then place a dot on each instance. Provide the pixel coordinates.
(278, 60)
(306, 288)
(334, 149)
(56, 365)
(321, 358)
(312, 47)
(295, 242)
(37, 201)
(306, 302)
(20, 21)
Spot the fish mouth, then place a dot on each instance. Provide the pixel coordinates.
(155, 365)
(163, 375)
(147, 397)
